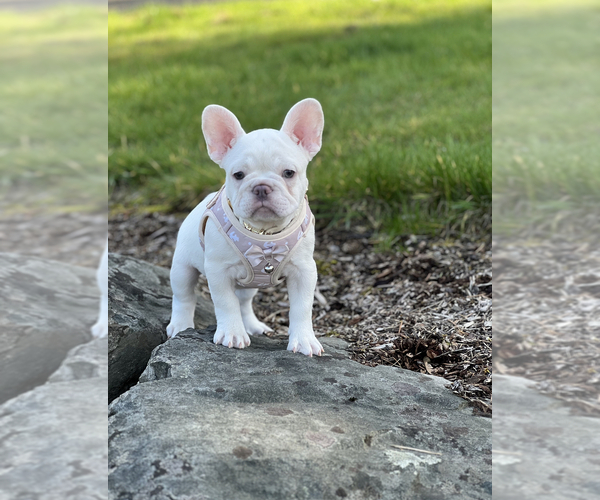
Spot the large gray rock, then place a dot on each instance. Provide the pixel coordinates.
(208, 422)
(541, 450)
(139, 312)
(46, 308)
(53, 439)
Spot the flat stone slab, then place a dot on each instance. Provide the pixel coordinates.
(139, 311)
(46, 308)
(208, 422)
(541, 451)
(53, 439)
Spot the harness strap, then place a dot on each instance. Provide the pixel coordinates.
(263, 256)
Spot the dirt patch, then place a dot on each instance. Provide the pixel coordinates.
(425, 305)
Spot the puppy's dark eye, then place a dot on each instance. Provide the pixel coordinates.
(288, 174)
(239, 175)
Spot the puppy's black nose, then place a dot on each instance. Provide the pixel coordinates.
(262, 191)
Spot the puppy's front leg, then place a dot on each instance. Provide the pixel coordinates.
(230, 327)
(301, 284)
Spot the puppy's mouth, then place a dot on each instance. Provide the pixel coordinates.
(274, 210)
(264, 212)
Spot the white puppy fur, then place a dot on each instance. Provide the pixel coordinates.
(100, 329)
(264, 195)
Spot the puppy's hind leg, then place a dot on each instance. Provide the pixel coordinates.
(183, 281)
(251, 323)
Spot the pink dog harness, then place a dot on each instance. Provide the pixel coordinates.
(264, 255)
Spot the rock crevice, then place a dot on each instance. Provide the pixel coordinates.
(139, 311)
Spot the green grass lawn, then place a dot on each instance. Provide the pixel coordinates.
(546, 147)
(405, 87)
(53, 98)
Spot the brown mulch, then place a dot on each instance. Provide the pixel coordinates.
(547, 318)
(425, 305)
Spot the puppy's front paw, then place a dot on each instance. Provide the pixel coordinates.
(306, 344)
(228, 339)
(175, 327)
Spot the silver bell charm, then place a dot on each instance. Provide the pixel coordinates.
(269, 268)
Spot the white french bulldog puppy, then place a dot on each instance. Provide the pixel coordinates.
(100, 329)
(258, 231)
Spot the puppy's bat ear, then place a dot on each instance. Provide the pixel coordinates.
(304, 124)
(221, 131)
